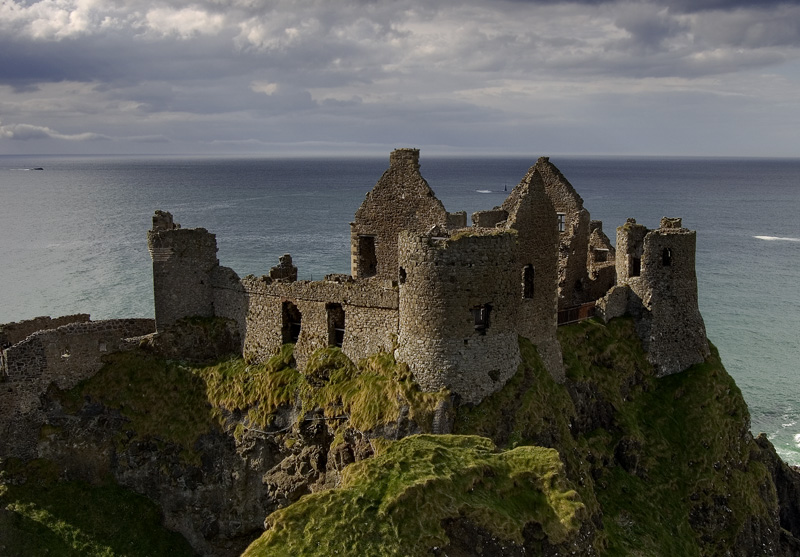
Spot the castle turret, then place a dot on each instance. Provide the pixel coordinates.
(183, 260)
(459, 301)
(658, 285)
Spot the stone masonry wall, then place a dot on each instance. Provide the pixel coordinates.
(657, 284)
(574, 240)
(183, 260)
(62, 357)
(401, 200)
(12, 333)
(678, 334)
(447, 282)
(370, 311)
(531, 215)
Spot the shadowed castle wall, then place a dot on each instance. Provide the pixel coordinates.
(657, 284)
(532, 216)
(62, 357)
(446, 281)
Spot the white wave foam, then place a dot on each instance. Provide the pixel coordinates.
(797, 439)
(776, 239)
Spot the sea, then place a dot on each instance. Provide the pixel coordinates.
(72, 236)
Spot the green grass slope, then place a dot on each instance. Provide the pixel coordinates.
(41, 516)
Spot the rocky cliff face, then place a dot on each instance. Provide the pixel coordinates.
(614, 462)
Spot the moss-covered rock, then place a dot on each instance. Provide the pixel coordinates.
(395, 502)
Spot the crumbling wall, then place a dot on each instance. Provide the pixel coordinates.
(573, 243)
(489, 219)
(657, 284)
(601, 262)
(62, 357)
(459, 298)
(532, 216)
(12, 333)
(401, 200)
(183, 261)
(370, 311)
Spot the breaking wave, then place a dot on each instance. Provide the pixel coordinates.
(776, 239)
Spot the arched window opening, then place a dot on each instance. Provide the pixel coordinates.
(666, 257)
(528, 276)
(402, 276)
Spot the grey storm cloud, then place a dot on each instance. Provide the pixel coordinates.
(252, 72)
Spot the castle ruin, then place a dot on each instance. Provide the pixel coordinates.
(449, 299)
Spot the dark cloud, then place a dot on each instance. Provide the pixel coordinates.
(250, 72)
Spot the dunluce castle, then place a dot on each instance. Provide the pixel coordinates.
(448, 299)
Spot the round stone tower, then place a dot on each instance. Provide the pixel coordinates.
(459, 299)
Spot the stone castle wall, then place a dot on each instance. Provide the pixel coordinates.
(531, 215)
(401, 200)
(12, 333)
(445, 285)
(63, 357)
(370, 317)
(183, 261)
(657, 284)
(573, 243)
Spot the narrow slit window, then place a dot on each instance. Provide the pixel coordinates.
(562, 221)
(666, 257)
(292, 319)
(367, 258)
(335, 324)
(480, 315)
(636, 266)
(402, 276)
(528, 276)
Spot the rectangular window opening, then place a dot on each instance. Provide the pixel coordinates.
(335, 324)
(367, 258)
(562, 221)
(480, 316)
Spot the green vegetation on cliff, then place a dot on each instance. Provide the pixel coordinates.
(394, 503)
(615, 461)
(40, 515)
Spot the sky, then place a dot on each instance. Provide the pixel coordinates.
(354, 77)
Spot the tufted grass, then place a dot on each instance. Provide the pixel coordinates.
(394, 503)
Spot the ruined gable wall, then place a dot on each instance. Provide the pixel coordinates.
(531, 214)
(574, 240)
(183, 260)
(444, 280)
(63, 356)
(370, 317)
(12, 333)
(401, 200)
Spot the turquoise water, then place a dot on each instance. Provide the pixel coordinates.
(72, 236)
